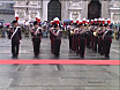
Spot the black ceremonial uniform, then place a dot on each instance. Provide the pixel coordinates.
(92, 37)
(107, 42)
(70, 38)
(51, 39)
(73, 41)
(100, 42)
(36, 39)
(88, 38)
(15, 40)
(82, 44)
(57, 43)
(77, 42)
(95, 43)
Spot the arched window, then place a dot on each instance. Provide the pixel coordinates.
(94, 9)
(54, 9)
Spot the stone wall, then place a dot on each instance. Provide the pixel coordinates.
(76, 9)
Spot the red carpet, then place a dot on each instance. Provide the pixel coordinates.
(65, 62)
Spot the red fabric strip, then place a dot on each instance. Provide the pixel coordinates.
(64, 62)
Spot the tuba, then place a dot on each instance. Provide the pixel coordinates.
(95, 33)
(71, 32)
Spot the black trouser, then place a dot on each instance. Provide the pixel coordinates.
(51, 44)
(15, 47)
(100, 45)
(77, 40)
(36, 46)
(88, 41)
(74, 43)
(95, 43)
(107, 45)
(56, 46)
(82, 47)
(70, 42)
(92, 42)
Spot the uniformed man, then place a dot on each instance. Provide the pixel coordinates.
(74, 37)
(82, 41)
(88, 38)
(15, 36)
(71, 42)
(36, 33)
(100, 40)
(107, 37)
(78, 40)
(92, 30)
(51, 39)
(57, 40)
(95, 36)
(69, 37)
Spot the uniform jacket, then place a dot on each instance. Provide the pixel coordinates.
(38, 35)
(17, 35)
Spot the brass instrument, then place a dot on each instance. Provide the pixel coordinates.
(95, 34)
(71, 32)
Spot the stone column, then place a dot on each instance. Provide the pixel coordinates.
(45, 10)
(64, 10)
(85, 9)
(29, 16)
(104, 9)
(16, 10)
(70, 17)
(80, 15)
(24, 13)
(112, 16)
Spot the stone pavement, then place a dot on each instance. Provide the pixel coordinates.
(26, 50)
(57, 77)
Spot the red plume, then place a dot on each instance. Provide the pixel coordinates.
(71, 21)
(17, 17)
(108, 21)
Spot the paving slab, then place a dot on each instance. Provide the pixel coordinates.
(41, 81)
(25, 88)
(5, 82)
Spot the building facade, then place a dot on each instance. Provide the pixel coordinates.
(67, 9)
(6, 11)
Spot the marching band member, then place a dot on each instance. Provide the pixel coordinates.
(51, 38)
(69, 36)
(107, 37)
(88, 38)
(82, 41)
(100, 41)
(57, 40)
(92, 36)
(95, 38)
(36, 33)
(15, 36)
